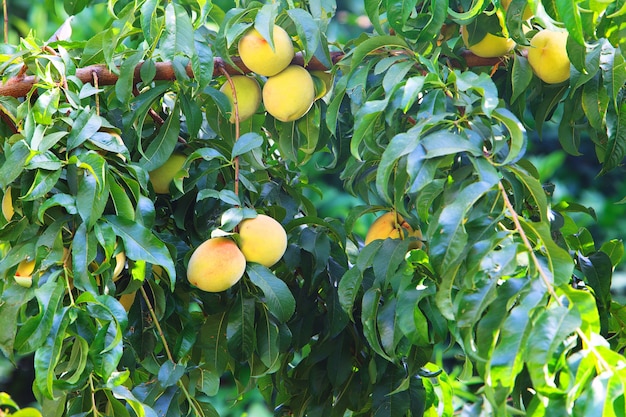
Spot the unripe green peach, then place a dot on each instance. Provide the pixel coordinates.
(547, 56)
(257, 54)
(392, 225)
(248, 96)
(262, 240)
(163, 175)
(289, 94)
(216, 265)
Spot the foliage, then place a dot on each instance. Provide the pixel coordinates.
(506, 279)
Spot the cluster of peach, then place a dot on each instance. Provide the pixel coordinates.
(547, 53)
(289, 91)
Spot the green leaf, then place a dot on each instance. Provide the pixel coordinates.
(613, 66)
(400, 145)
(521, 76)
(86, 124)
(141, 244)
(507, 358)
(616, 129)
(34, 332)
(46, 106)
(12, 167)
(47, 357)
(369, 318)
(12, 298)
(366, 119)
(267, 340)
(278, 298)
(125, 83)
(595, 101)
(447, 234)
(517, 142)
(372, 44)
(308, 31)
(213, 342)
(170, 373)
(569, 13)
(162, 146)
(548, 333)
(122, 393)
(240, 331)
(178, 37)
(465, 17)
(349, 287)
(246, 143)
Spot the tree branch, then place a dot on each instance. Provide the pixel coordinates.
(20, 86)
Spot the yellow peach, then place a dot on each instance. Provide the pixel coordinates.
(547, 56)
(248, 94)
(392, 225)
(257, 54)
(262, 240)
(216, 265)
(290, 94)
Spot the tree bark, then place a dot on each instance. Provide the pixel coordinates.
(20, 86)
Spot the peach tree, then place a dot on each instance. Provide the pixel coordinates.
(505, 309)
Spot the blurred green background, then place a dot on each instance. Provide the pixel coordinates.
(575, 179)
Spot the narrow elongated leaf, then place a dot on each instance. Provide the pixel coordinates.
(43, 182)
(400, 145)
(595, 101)
(308, 31)
(246, 142)
(279, 299)
(241, 328)
(569, 13)
(267, 340)
(376, 42)
(368, 116)
(16, 156)
(521, 76)
(86, 124)
(549, 331)
(47, 357)
(507, 359)
(162, 146)
(178, 36)
(124, 84)
(517, 142)
(616, 148)
(11, 300)
(349, 287)
(214, 343)
(34, 332)
(141, 244)
(369, 318)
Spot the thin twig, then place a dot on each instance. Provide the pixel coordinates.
(96, 86)
(237, 132)
(157, 324)
(198, 412)
(544, 276)
(158, 120)
(6, 21)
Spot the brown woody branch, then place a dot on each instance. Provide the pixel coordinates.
(21, 85)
